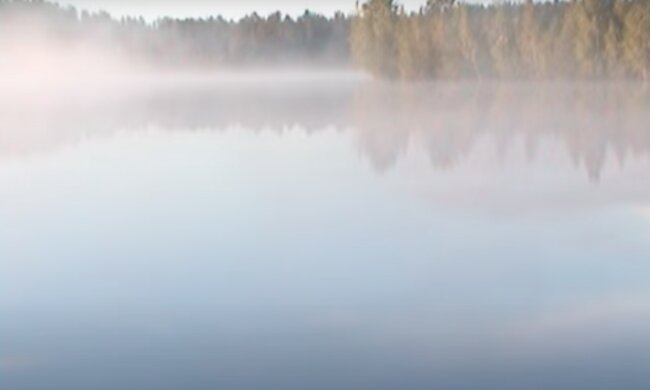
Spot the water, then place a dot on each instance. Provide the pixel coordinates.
(326, 235)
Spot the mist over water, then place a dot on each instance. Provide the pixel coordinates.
(596, 126)
(178, 215)
(324, 231)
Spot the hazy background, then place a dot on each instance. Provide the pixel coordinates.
(152, 9)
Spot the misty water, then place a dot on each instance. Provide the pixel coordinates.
(332, 233)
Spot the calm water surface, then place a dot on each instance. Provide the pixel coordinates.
(326, 235)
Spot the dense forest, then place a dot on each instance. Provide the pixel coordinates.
(444, 39)
(579, 39)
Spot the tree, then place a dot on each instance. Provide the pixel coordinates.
(636, 39)
(374, 42)
(530, 44)
(468, 44)
(502, 43)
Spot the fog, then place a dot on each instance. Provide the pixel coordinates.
(210, 204)
(268, 232)
(45, 45)
(592, 122)
(38, 57)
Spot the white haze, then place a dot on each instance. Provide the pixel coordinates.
(34, 61)
(37, 60)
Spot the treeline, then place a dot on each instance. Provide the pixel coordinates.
(252, 40)
(578, 39)
(444, 39)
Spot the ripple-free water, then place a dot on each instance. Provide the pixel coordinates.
(336, 235)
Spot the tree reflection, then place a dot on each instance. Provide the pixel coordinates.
(590, 120)
(595, 122)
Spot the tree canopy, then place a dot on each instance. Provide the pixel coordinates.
(445, 39)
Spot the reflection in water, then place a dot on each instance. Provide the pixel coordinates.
(589, 120)
(229, 237)
(592, 121)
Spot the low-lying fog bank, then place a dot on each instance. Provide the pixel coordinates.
(43, 42)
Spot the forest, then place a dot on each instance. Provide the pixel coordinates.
(444, 39)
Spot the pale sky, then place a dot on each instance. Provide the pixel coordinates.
(152, 9)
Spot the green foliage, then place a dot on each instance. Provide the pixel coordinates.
(586, 39)
(374, 37)
(636, 39)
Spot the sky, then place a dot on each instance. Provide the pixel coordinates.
(152, 9)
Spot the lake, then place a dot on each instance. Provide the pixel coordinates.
(325, 233)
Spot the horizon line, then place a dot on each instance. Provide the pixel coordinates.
(133, 10)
